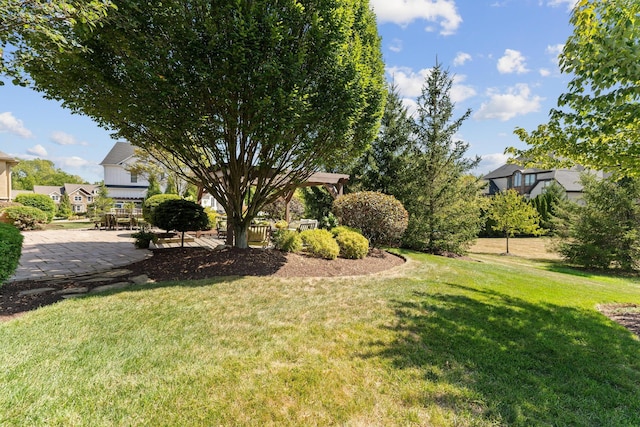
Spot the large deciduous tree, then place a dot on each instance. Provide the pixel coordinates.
(28, 173)
(25, 24)
(247, 94)
(597, 122)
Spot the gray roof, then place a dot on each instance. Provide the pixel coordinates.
(47, 189)
(508, 170)
(569, 179)
(87, 188)
(120, 152)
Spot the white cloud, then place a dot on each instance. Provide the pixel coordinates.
(544, 72)
(9, 123)
(461, 58)
(37, 150)
(396, 46)
(403, 12)
(554, 51)
(512, 62)
(73, 162)
(409, 83)
(491, 162)
(411, 105)
(63, 138)
(570, 3)
(517, 101)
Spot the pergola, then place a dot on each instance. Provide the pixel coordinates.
(333, 182)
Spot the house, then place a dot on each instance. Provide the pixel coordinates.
(122, 185)
(6, 163)
(530, 182)
(80, 195)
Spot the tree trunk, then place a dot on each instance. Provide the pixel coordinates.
(240, 234)
(182, 240)
(507, 236)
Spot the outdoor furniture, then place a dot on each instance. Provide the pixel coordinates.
(221, 227)
(259, 235)
(308, 224)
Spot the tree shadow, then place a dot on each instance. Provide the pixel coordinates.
(512, 362)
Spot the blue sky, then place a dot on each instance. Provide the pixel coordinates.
(503, 54)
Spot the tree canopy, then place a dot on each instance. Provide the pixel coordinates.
(597, 122)
(28, 173)
(27, 23)
(264, 93)
(513, 214)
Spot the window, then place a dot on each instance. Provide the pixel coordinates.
(529, 179)
(77, 198)
(517, 179)
(89, 199)
(134, 177)
(55, 198)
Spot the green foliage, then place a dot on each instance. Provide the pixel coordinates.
(102, 203)
(212, 216)
(548, 204)
(381, 165)
(352, 245)
(595, 124)
(10, 250)
(435, 185)
(276, 209)
(40, 201)
(26, 217)
(143, 239)
(343, 228)
(28, 173)
(320, 243)
(287, 241)
(26, 24)
(381, 218)
(154, 187)
(300, 85)
(152, 202)
(317, 202)
(64, 207)
(604, 232)
(180, 215)
(512, 214)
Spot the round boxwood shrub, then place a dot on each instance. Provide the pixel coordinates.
(352, 245)
(10, 250)
(180, 215)
(381, 218)
(341, 229)
(26, 217)
(287, 241)
(152, 202)
(320, 243)
(40, 201)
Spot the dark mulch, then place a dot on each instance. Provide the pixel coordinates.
(176, 264)
(628, 315)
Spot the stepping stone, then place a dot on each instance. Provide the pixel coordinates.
(35, 291)
(69, 291)
(116, 273)
(94, 280)
(142, 279)
(105, 288)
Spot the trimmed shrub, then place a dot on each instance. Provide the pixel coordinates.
(212, 215)
(352, 245)
(26, 217)
(180, 215)
(381, 218)
(341, 229)
(40, 201)
(320, 243)
(287, 241)
(152, 202)
(10, 250)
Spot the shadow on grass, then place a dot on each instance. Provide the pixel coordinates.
(515, 362)
(581, 272)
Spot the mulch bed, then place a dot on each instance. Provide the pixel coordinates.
(177, 264)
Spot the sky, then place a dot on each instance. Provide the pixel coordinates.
(502, 54)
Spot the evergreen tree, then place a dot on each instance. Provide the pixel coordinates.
(64, 207)
(102, 203)
(548, 204)
(434, 184)
(154, 187)
(380, 166)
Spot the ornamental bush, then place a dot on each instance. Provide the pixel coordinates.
(381, 218)
(341, 229)
(26, 217)
(320, 243)
(180, 215)
(10, 250)
(40, 201)
(352, 245)
(287, 241)
(152, 202)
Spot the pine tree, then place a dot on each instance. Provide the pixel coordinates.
(435, 185)
(64, 207)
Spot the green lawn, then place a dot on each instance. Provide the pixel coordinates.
(505, 341)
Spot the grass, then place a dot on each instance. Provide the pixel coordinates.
(440, 342)
(69, 225)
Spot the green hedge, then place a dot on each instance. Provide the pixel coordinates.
(152, 202)
(287, 241)
(26, 217)
(39, 201)
(352, 245)
(320, 243)
(10, 250)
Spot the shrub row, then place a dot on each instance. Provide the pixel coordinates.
(25, 217)
(323, 243)
(10, 250)
(39, 201)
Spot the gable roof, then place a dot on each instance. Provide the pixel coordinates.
(47, 189)
(508, 169)
(120, 152)
(72, 188)
(7, 158)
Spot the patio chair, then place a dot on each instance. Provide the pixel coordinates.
(259, 235)
(221, 227)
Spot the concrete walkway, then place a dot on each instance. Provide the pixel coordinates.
(61, 253)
